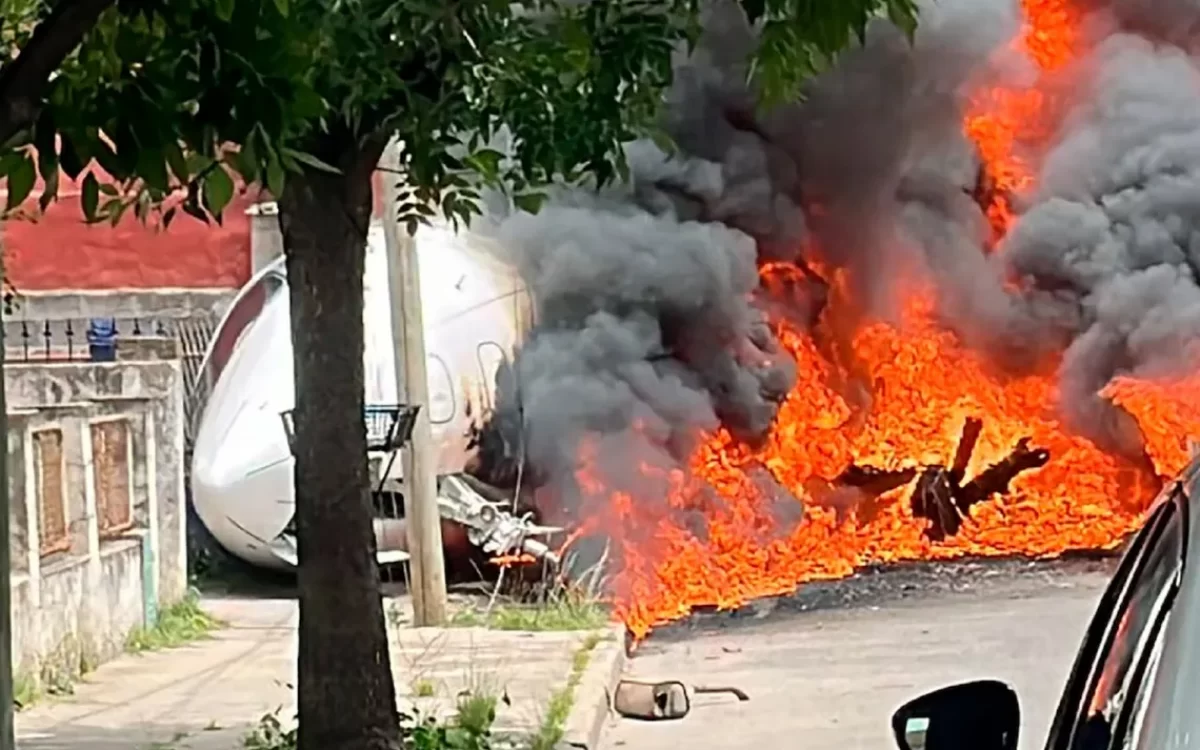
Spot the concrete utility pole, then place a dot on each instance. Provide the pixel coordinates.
(424, 523)
(7, 739)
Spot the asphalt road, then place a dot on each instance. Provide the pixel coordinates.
(826, 668)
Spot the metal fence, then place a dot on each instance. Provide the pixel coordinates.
(193, 335)
(65, 340)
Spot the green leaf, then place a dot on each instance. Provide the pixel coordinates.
(224, 9)
(486, 162)
(275, 178)
(49, 189)
(69, 158)
(20, 181)
(90, 197)
(115, 209)
(177, 161)
(192, 208)
(282, 7)
(307, 104)
(531, 202)
(218, 190)
(151, 168)
(311, 161)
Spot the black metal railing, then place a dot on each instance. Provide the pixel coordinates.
(389, 426)
(66, 340)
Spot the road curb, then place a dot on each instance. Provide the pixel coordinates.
(592, 695)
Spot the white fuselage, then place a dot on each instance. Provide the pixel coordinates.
(475, 311)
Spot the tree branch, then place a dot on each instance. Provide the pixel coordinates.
(23, 80)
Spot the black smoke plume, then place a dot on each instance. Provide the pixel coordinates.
(651, 320)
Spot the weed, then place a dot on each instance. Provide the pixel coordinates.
(469, 729)
(558, 710)
(25, 691)
(563, 609)
(476, 713)
(423, 688)
(270, 734)
(177, 624)
(554, 724)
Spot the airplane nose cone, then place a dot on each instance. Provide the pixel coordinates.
(252, 442)
(241, 460)
(242, 473)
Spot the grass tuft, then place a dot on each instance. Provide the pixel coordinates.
(558, 710)
(562, 610)
(178, 624)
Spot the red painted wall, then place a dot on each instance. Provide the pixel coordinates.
(60, 251)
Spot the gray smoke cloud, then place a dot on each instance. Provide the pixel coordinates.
(646, 334)
(1113, 225)
(651, 322)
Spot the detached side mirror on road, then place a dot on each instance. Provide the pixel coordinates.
(652, 701)
(983, 715)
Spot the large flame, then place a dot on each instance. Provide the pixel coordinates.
(1007, 124)
(926, 386)
(715, 533)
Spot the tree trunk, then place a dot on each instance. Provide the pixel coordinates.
(346, 697)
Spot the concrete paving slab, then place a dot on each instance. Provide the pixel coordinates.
(207, 695)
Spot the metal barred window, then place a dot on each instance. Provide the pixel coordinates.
(110, 472)
(53, 530)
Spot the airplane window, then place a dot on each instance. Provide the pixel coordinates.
(490, 356)
(441, 390)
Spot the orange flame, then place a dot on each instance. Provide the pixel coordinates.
(927, 384)
(743, 521)
(1004, 123)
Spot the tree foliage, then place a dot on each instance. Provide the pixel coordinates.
(802, 37)
(179, 100)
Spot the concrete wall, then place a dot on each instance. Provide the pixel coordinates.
(121, 303)
(74, 607)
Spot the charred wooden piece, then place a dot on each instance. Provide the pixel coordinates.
(874, 481)
(858, 489)
(933, 498)
(941, 497)
(966, 448)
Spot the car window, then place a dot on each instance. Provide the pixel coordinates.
(1066, 715)
(1133, 739)
(1117, 678)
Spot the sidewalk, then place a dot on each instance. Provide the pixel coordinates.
(208, 695)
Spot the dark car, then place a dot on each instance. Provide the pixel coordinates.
(1136, 680)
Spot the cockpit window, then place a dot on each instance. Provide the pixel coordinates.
(244, 311)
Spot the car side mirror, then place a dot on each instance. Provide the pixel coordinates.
(983, 715)
(652, 701)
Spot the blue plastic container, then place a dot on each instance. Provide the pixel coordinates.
(102, 339)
